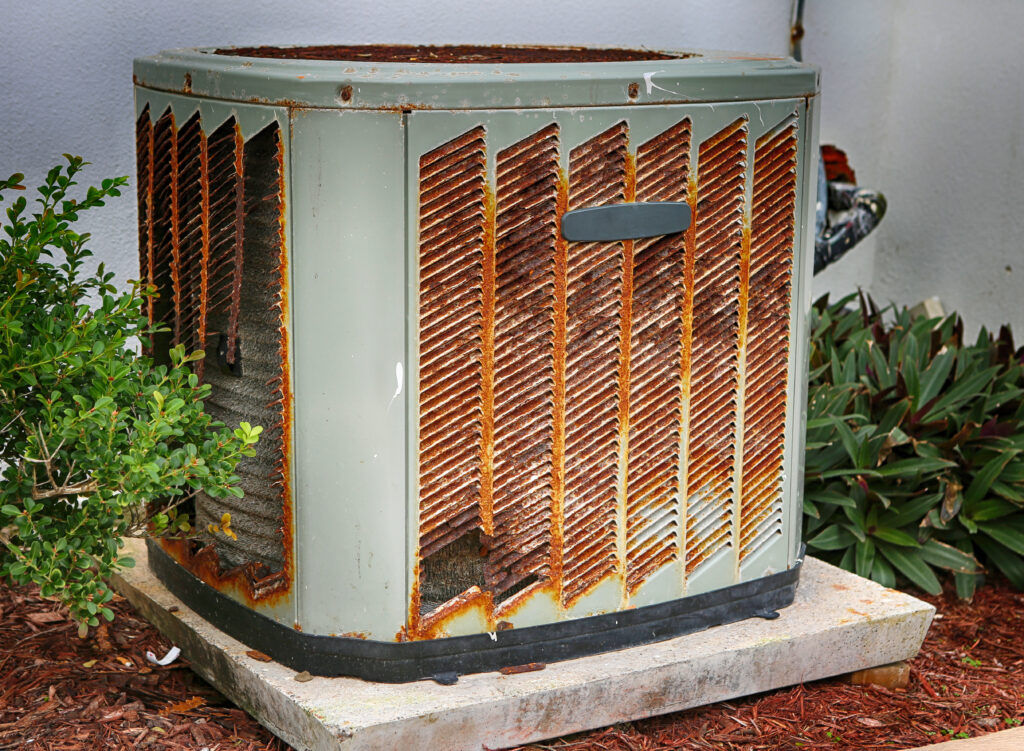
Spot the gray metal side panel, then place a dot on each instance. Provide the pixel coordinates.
(801, 336)
(349, 273)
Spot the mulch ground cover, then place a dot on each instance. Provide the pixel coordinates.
(61, 692)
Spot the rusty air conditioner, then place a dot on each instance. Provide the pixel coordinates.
(525, 328)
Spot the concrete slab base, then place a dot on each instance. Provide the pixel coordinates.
(839, 623)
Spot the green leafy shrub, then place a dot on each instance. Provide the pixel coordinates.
(915, 447)
(98, 442)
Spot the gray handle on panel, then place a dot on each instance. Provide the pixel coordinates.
(625, 221)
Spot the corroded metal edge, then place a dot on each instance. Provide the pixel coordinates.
(711, 76)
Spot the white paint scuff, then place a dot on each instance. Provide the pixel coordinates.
(651, 85)
(399, 381)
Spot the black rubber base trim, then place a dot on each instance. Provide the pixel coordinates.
(399, 662)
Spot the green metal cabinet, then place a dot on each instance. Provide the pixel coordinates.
(482, 440)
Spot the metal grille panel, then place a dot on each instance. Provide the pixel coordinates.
(526, 227)
(771, 269)
(655, 367)
(452, 233)
(597, 176)
(211, 210)
(579, 403)
(713, 357)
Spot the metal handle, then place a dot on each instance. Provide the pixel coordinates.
(625, 221)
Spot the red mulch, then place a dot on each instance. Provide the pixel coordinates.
(964, 683)
(61, 692)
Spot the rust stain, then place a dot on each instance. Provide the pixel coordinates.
(487, 369)
(166, 259)
(204, 269)
(236, 282)
(225, 246)
(686, 352)
(771, 260)
(254, 582)
(525, 231)
(434, 625)
(452, 218)
(511, 606)
(558, 388)
(407, 53)
(736, 516)
(189, 261)
(597, 175)
(714, 355)
(529, 667)
(744, 295)
(283, 392)
(175, 219)
(161, 195)
(415, 603)
(580, 371)
(655, 373)
(144, 161)
(625, 344)
(196, 173)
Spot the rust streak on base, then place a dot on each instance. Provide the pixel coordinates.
(251, 580)
(433, 625)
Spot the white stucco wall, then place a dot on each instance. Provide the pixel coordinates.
(66, 77)
(924, 95)
(927, 98)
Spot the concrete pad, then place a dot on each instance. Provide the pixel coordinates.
(839, 623)
(1004, 740)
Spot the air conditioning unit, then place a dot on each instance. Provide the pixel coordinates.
(525, 327)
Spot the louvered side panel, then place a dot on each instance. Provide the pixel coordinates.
(259, 394)
(144, 194)
(188, 301)
(164, 224)
(655, 367)
(593, 340)
(721, 170)
(452, 226)
(771, 268)
(225, 242)
(526, 226)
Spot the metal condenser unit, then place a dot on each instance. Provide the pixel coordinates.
(525, 328)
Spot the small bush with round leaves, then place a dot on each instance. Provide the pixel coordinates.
(96, 441)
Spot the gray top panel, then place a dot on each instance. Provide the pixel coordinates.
(704, 76)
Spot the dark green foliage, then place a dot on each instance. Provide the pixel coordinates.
(97, 442)
(915, 447)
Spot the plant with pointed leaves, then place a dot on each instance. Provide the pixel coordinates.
(915, 447)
